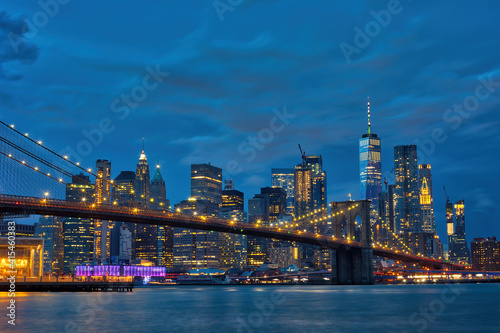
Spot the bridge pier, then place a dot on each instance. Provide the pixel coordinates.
(352, 266)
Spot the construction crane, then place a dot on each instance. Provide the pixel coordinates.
(446, 195)
(385, 178)
(303, 154)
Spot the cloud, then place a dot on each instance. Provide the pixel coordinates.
(14, 47)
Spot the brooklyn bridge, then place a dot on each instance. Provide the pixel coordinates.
(30, 172)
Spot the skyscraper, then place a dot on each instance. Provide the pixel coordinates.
(228, 184)
(276, 202)
(196, 248)
(450, 227)
(142, 181)
(159, 191)
(303, 191)
(276, 205)
(232, 200)
(426, 199)
(103, 182)
(315, 163)
(123, 195)
(50, 228)
(146, 235)
(258, 209)
(460, 252)
(232, 247)
(305, 196)
(22, 230)
(370, 169)
(206, 182)
(124, 188)
(102, 229)
(78, 232)
(164, 234)
(125, 243)
(386, 211)
(407, 210)
(285, 178)
(258, 213)
(485, 254)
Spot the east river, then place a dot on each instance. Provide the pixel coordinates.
(296, 309)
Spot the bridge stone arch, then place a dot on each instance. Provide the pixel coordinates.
(350, 210)
(352, 265)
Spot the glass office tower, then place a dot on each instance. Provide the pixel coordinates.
(370, 169)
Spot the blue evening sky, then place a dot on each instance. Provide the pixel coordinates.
(425, 65)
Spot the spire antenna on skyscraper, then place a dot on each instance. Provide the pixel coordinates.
(369, 121)
(143, 155)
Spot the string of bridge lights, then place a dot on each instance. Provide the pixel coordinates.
(36, 169)
(35, 157)
(408, 250)
(295, 222)
(65, 157)
(401, 242)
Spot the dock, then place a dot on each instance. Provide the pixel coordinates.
(69, 286)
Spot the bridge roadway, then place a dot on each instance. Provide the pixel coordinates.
(41, 206)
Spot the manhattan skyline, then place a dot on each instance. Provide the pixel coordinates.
(226, 78)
